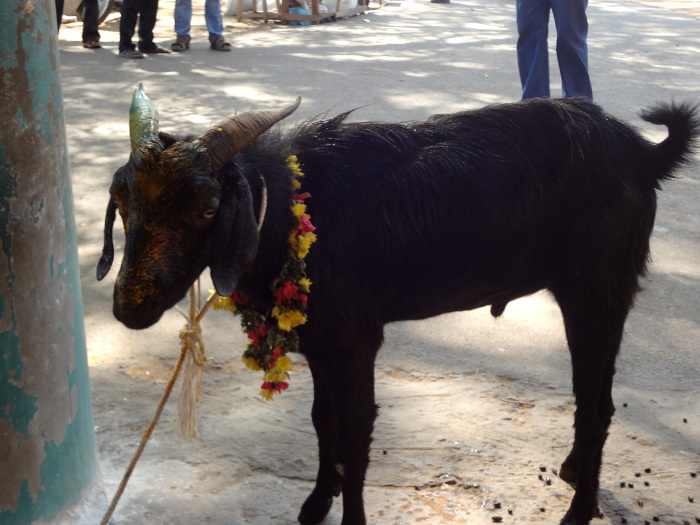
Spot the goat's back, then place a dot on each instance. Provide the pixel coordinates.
(483, 206)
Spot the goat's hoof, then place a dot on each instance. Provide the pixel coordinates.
(314, 509)
(578, 518)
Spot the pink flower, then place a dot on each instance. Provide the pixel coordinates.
(301, 197)
(305, 225)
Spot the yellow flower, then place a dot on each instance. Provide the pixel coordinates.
(305, 284)
(293, 164)
(251, 363)
(267, 394)
(288, 319)
(222, 303)
(299, 209)
(301, 243)
(275, 375)
(284, 364)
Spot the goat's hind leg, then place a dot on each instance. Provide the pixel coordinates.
(594, 328)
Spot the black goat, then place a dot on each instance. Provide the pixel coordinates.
(413, 220)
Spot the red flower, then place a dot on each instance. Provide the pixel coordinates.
(275, 386)
(286, 292)
(303, 297)
(237, 298)
(258, 334)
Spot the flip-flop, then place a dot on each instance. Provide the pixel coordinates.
(92, 44)
(153, 50)
(131, 53)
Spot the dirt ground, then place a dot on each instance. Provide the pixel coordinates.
(476, 414)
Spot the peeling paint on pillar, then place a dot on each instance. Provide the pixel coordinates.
(47, 442)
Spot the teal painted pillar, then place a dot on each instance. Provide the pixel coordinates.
(47, 442)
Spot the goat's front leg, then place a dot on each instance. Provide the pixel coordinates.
(328, 483)
(343, 414)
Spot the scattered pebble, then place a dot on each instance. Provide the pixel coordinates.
(543, 468)
(542, 509)
(637, 474)
(497, 505)
(691, 499)
(630, 485)
(548, 481)
(623, 484)
(640, 503)
(647, 470)
(646, 483)
(496, 519)
(693, 474)
(656, 518)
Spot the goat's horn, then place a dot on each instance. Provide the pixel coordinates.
(143, 118)
(234, 134)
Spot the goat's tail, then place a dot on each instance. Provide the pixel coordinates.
(683, 123)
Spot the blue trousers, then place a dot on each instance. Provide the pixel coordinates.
(572, 49)
(212, 17)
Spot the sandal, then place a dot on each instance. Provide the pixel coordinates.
(131, 53)
(92, 44)
(219, 44)
(182, 43)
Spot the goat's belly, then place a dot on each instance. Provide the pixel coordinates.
(422, 306)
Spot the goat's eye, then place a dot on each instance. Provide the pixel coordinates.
(209, 214)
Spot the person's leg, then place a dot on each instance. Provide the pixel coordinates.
(183, 17)
(213, 18)
(215, 25)
(127, 24)
(572, 48)
(532, 18)
(91, 13)
(147, 21)
(59, 14)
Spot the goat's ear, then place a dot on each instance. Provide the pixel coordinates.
(105, 262)
(236, 236)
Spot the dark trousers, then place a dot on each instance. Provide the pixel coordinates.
(59, 13)
(143, 10)
(91, 12)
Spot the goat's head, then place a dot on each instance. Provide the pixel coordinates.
(181, 212)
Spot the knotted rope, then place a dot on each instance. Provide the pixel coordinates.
(190, 391)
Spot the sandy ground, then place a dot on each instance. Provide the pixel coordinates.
(475, 414)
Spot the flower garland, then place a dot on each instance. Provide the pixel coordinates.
(270, 341)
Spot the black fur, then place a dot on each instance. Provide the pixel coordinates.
(413, 220)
